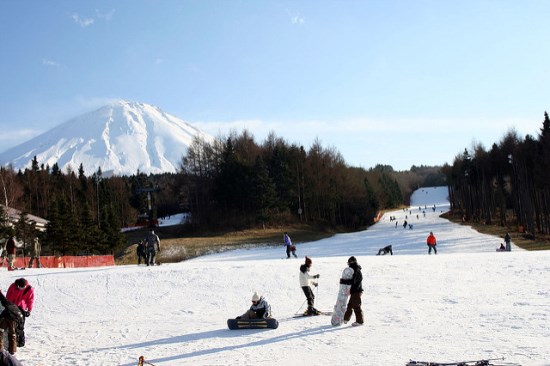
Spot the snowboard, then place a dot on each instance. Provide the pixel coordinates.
(342, 299)
(252, 323)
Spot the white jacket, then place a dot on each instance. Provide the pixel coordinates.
(305, 278)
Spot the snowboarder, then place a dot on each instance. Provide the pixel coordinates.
(21, 294)
(387, 249)
(140, 251)
(260, 309)
(36, 248)
(10, 318)
(356, 290)
(289, 247)
(431, 242)
(152, 240)
(306, 280)
(508, 241)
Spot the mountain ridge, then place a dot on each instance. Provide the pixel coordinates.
(121, 138)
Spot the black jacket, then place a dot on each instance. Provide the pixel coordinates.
(356, 281)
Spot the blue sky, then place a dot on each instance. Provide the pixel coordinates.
(383, 82)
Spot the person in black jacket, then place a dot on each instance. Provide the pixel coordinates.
(10, 318)
(356, 290)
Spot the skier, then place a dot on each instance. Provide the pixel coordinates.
(21, 294)
(151, 240)
(306, 280)
(10, 318)
(431, 242)
(140, 251)
(36, 248)
(260, 309)
(289, 246)
(356, 290)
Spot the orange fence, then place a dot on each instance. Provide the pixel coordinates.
(67, 261)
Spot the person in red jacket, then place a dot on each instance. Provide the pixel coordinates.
(432, 242)
(21, 294)
(11, 248)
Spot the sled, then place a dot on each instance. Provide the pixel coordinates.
(252, 323)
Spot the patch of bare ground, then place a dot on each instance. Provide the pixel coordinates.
(177, 245)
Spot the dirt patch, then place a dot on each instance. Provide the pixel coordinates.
(177, 249)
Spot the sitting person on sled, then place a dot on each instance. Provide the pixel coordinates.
(260, 309)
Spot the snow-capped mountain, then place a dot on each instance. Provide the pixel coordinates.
(121, 138)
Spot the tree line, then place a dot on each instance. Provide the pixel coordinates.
(507, 185)
(231, 183)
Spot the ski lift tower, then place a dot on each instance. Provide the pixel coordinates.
(149, 192)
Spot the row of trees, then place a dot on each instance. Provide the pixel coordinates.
(508, 184)
(231, 183)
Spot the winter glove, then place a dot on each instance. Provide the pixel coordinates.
(27, 313)
(341, 281)
(315, 284)
(316, 276)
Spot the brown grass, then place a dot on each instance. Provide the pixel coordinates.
(541, 242)
(177, 246)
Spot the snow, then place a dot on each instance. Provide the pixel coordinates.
(121, 138)
(467, 302)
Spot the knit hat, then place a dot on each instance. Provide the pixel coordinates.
(308, 261)
(352, 260)
(255, 297)
(21, 282)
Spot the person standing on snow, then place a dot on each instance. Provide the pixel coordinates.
(11, 249)
(356, 290)
(152, 240)
(141, 253)
(306, 280)
(10, 318)
(260, 309)
(36, 248)
(22, 295)
(289, 246)
(431, 242)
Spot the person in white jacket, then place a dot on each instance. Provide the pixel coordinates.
(306, 281)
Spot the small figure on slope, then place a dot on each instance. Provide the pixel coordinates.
(431, 242)
(289, 247)
(36, 248)
(508, 241)
(260, 309)
(387, 249)
(306, 281)
(141, 253)
(152, 240)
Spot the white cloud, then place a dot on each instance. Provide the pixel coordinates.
(296, 18)
(105, 16)
(50, 63)
(82, 21)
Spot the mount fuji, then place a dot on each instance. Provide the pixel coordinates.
(120, 138)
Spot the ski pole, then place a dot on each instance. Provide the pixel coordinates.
(297, 312)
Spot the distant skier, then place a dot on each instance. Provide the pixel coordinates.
(431, 242)
(260, 309)
(152, 240)
(289, 247)
(141, 252)
(387, 249)
(356, 290)
(36, 248)
(11, 249)
(306, 281)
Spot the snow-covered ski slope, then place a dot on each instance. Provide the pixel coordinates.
(468, 302)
